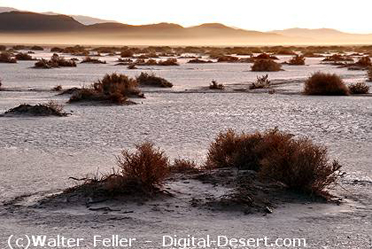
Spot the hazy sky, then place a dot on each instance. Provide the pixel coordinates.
(264, 15)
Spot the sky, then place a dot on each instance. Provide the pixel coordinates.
(262, 15)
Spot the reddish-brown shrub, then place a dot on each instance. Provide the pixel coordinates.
(184, 166)
(148, 166)
(325, 84)
(359, 88)
(297, 60)
(266, 65)
(145, 79)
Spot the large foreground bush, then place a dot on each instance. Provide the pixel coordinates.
(298, 163)
(325, 84)
(266, 65)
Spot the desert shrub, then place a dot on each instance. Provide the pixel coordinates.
(359, 88)
(227, 59)
(55, 62)
(298, 163)
(261, 82)
(297, 60)
(6, 57)
(91, 60)
(23, 57)
(151, 62)
(37, 48)
(113, 88)
(2, 48)
(325, 84)
(148, 166)
(265, 56)
(126, 53)
(184, 166)
(57, 88)
(145, 79)
(19, 47)
(338, 58)
(197, 61)
(215, 86)
(364, 61)
(369, 73)
(263, 65)
(49, 109)
(284, 51)
(168, 62)
(311, 55)
(56, 50)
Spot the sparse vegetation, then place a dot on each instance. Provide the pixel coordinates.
(199, 61)
(91, 60)
(266, 65)
(168, 62)
(6, 57)
(325, 84)
(369, 73)
(57, 88)
(216, 86)
(297, 60)
(113, 88)
(359, 88)
(55, 62)
(49, 109)
(23, 57)
(145, 79)
(37, 48)
(261, 82)
(184, 166)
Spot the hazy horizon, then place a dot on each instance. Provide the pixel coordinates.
(238, 13)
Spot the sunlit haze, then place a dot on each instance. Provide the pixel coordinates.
(264, 15)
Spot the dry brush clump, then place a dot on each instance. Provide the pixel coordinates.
(6, 57)
(297, 60)
(113, 88)
(23, 57)
(216, 86)
(297, 162)
(49, 109)
(266, 65)
(184, 166)
(325, 84)
(261, 82)
(91, 60)
(145, 79)
(139, 173)
(54, 62)
(358, 88)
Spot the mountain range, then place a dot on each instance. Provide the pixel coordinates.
(52, 28)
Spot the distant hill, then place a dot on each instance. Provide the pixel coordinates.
(86, 20)
(7, 9)
(18, 21)
(51, 28)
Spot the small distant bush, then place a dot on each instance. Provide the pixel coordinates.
(23, 57)
(196, 61)
(338, 58)
(168, 62)
(55, 62)
(132, 66)
(91, 60)
(297, 60)
(49, 109)
(56, 50)
(298, 163)
(37, 48)
(265, 56)
(262, 82)
(19, 47)
(359, 88)
(148, 166)
(113, 88)
(6, 57)
(126, 53)
(215, 86)
(266, 65)
(145, 79)
(227, 58)
(184, 166)
(325, 84)
(2, 48)
(57, 88)
(364, 62)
